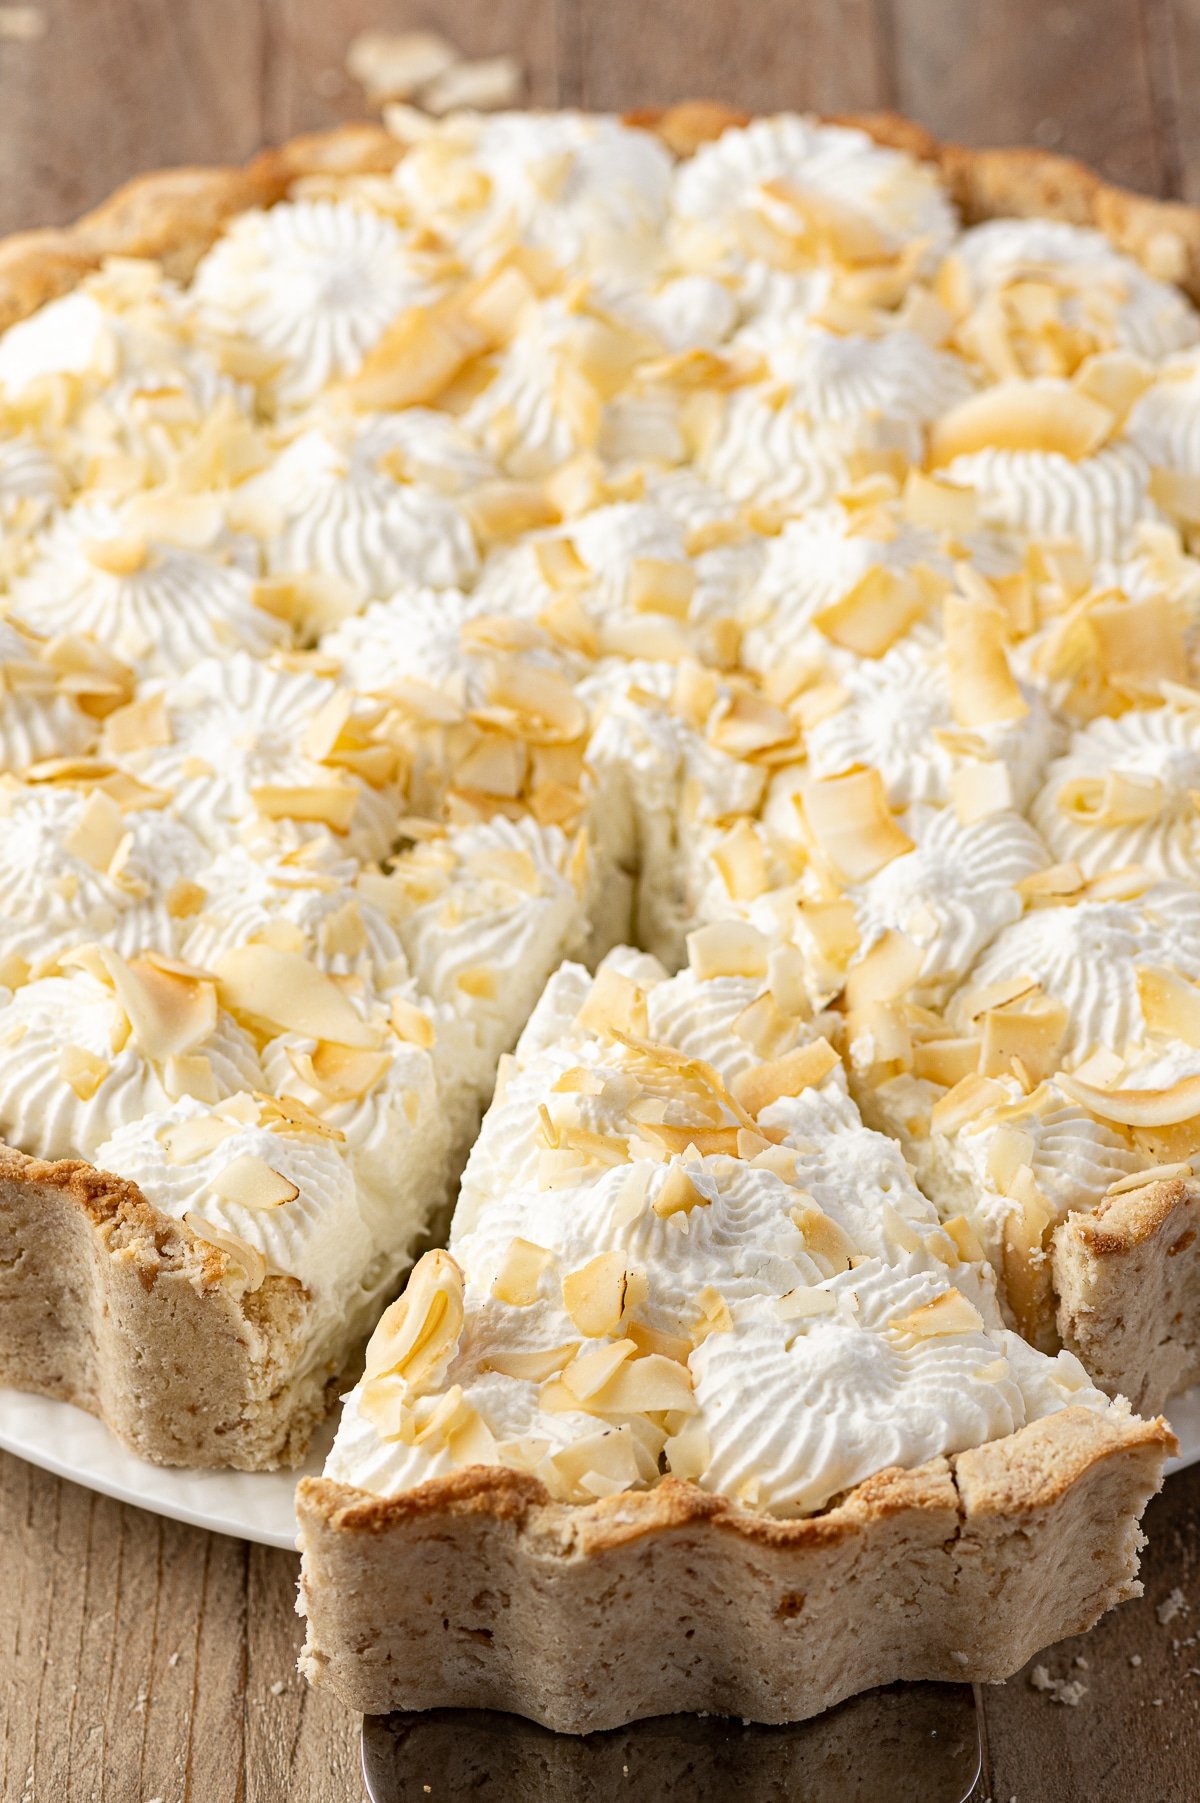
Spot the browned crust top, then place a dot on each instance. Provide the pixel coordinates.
(1022, 1474)
(1121, 1223)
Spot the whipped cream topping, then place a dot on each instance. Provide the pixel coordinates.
(156, 605)
(334, 509)
(1163, 420)
(41, 716)
(1097, 502)
(1087, 958)
(785, 190)
(72, 1071)
(953, 892)
(897, 716)
(75, 869)
(1125, 793)
(313, 284)
(586, 190)
(228, 749)
(1103, 300)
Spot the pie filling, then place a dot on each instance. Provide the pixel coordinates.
(550, 547)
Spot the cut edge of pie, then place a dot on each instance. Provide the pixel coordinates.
(959, 1569)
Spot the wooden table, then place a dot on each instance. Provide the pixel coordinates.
(141, 1659)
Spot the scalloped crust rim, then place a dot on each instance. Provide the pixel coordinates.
(478, 1591)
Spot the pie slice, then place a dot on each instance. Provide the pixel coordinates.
(698, 1334)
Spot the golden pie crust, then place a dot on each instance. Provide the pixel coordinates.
(477, 1589)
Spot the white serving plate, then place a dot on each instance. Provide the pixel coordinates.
(254, 1505)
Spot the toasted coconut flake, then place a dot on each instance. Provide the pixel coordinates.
(598, 1465)
(1116, 379)
(643, 1386)
(1058, 883)
(587, 1374)
(972, 1096)
(949, 1313)
(1178, 494)
(416, 359)
(532, 1367)
(1114, 799)
(1137, 1107)
(983, 689)
(805, 1068)
(97, 833)
(411, 1025)
(979, 789)
(332, 804)
(598, 1295)
(251, 1183)
(966, 1240)
(945, 1061)
(282, 992)
(1155, 1173)
(516, 1282)
(287, 1114)
(614, 1003)
(419, 1333)
(659, 585)
(340, 1073)
(940, 506)
(185, 1141)
(806, 1303)
(678, 1194)
(881, 607)
(137, 726)
(1031, 1034)
(1170, 1004)
(169, 1013)
(1139, 643)
(707, 1141)
(248, 1259)
(824, 1240)
(689, 1452)
(851, 823)
(190, 1074)
(82, 1070)
(747, 725)
(741, 861)
(727, 948)
(879, 1031)
(482, 86)
(396, 65)
(886, 972)
(1021, 416)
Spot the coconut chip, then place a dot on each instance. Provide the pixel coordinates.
(849, 820)
(420, 1331)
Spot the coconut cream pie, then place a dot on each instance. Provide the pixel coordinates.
(710, 605)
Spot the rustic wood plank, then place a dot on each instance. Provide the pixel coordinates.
(1173, 34)
(142, 1658)
(778, 53)
(114, 87)
(1073, 78)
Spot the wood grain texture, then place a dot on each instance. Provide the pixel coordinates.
(141, 1659)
